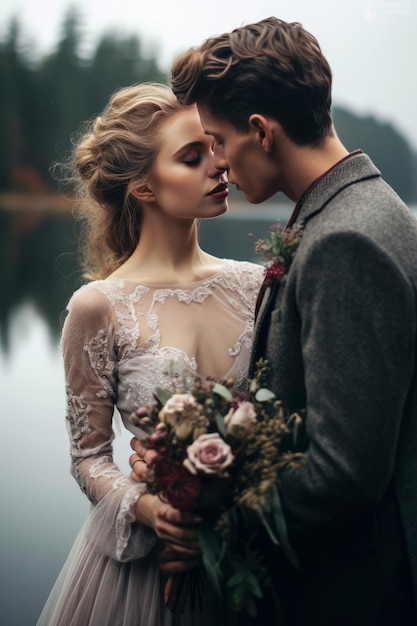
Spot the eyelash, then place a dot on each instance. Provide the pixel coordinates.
(193, 162)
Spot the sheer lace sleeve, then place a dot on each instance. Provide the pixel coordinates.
(89, 350)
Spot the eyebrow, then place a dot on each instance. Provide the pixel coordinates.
(189, 146)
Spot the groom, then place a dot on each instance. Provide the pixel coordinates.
(340, 330)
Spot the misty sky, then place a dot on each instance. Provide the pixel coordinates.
(370, 44)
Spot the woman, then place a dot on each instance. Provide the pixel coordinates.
(145, 174)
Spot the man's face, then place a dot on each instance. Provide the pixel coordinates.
(249, 167)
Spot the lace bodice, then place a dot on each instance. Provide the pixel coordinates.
(120, 340)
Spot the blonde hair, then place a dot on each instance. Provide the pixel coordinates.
(115, 154)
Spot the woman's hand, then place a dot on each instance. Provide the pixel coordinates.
(171, 562)
(178, 530)
(140, 460)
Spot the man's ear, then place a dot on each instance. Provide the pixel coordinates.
(262, 126)
(143, 193)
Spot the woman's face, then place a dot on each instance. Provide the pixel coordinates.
(186, 183)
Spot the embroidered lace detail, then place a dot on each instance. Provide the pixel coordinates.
(198, 294)
(101, 363)
(125, 519)
(120, 341)
(104, 468)
(77, 419)
(241, 282)
(244, 340)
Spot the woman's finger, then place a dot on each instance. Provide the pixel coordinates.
(167, 589)
(172, 552)
(187, 543)
(179, 518)
(139, 468)
(178, 567)
(138, 447)
(173, 562)
(144, 453)
(170, 528)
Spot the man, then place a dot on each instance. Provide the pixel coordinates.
(340, 330)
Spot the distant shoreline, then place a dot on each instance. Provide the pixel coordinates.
(43, 202)
(57, 203)
(272, 210)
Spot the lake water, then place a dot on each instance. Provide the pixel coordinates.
(42, 506)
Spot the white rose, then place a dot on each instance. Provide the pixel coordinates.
(242, 416)
(178, 402)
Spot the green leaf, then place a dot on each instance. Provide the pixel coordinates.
(281, 526)
(163, 395)
(244, 588)
(221, 425)
(212, 550)
(238, 578)
(251, 607)
(222, 391)
(268, 527)
(251, 582)
(262, 395)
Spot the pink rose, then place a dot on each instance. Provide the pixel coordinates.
(242, 416)
(208, 454)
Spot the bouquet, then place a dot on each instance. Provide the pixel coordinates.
(219, 452)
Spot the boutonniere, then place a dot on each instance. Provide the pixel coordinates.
(278, 250)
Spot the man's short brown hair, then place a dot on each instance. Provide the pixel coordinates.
(271, 67)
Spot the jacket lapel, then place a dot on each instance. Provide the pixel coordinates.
(354, 168)
(265, 304)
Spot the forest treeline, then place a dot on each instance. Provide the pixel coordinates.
(42, 104)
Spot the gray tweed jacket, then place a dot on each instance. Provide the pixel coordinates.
(341, 334)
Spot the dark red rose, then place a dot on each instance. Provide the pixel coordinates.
(275, 272)
(177, 484)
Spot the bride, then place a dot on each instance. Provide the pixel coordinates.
(145, 174)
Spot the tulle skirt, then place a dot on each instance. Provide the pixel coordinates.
(96, 590)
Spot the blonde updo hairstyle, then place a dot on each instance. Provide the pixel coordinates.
(115, 154)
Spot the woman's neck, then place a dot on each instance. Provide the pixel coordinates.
(168, 252)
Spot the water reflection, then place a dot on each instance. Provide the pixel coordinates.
(38, 265)
(40, 506)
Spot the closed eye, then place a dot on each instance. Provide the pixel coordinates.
(193, 162)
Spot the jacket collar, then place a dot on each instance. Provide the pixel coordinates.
(353, 168)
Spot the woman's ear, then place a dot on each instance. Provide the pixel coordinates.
(143, 193)
(262, 126)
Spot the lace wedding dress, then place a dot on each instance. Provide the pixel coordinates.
(120, 340)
